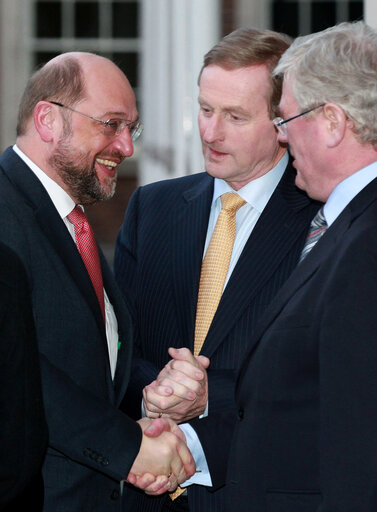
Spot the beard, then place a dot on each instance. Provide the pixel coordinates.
(76, 169)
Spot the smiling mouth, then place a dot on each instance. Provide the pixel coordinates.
(107, 163)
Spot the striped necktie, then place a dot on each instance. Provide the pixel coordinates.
(317, 228)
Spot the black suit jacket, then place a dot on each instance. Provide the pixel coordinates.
(23, 430)
(91, 443)
(306, 438)
(158, 260)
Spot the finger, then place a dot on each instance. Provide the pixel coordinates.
(187, 462)
(192, 369)
(203, 360)
(182, 354)
(173, 482)
(159, 486)
(131, 478)
(157, 406)
(157, 426)
(183, 387)
(144, 481)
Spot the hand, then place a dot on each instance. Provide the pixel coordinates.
(180, 391)
(163, 452)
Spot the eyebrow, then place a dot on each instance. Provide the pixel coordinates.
(236, 109)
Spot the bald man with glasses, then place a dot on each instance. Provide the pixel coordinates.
(77, 123)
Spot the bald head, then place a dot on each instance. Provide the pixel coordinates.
(64, 79)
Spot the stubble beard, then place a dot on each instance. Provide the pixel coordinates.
(77, 171)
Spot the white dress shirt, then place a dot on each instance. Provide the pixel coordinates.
(64, 205)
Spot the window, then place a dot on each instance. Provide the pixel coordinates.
(300, 17)
(109, 28)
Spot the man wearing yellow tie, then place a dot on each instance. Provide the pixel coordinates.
(199, 258)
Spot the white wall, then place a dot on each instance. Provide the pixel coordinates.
(370, 12)
(175, 36)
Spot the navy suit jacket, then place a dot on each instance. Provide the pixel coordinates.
(306, 438)
(91, 443)
(158, 261)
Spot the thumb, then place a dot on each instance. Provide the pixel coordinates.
(156, 428)
(204, 361)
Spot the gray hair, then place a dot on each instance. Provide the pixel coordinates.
(337, 65)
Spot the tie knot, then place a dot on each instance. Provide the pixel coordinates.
(77, 216)
(231, 202)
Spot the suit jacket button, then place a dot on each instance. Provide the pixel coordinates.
(115, 495)
(240, 414)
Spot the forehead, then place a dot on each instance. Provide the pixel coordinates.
(245, 85)
(108, 90)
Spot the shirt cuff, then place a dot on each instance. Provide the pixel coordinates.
(202, 475)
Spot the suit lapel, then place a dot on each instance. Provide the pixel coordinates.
(52, 226)
(284, 220)
(188, 234)
(317, 257)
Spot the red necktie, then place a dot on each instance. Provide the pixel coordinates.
(86, 244)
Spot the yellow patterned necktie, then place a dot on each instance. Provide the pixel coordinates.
(215, 267)
(214, 271)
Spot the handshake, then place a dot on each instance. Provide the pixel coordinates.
(179, 393)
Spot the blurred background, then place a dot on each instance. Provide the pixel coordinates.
(159, 44)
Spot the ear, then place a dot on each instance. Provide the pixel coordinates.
(336, 124)
(46, 121)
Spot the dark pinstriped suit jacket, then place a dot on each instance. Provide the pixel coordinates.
(91, 444)
(157, 265)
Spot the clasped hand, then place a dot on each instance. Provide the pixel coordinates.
(163, 461)
(180, 391)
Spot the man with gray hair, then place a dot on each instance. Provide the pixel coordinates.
(306, 437)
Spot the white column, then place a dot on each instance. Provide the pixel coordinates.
(175, 36)
(370, 12)
(15, 34)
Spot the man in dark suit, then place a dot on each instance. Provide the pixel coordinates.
(77, 121)
(23, 430)
(168, 228)
(306, 437)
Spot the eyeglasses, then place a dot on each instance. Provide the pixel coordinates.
(111, 127)
(281, 124)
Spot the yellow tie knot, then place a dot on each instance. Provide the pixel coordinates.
(231, 202)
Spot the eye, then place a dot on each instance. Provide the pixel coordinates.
(113, 124)
(234, 117)
(206, 111)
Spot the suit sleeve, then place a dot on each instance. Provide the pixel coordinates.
(143, 372)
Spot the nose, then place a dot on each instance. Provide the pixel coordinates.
(123, 143)
(211, 129)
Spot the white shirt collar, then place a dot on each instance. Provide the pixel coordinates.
(257, 192)
(62, 201)
(346, 190)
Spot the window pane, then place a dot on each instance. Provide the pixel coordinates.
(125, 19)
(86, 19)
(49, 19)
(285, 17)
(323, 15)
(43, 57)
(128, 63)
(356, 11)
